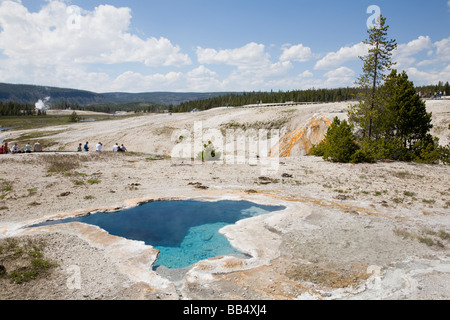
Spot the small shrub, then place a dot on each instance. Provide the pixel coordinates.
(74, 117)
(339, 143)
(426, 150)
(5, 186)
(361, 156)
(209, 153)
(403, 233)
(428, 241)
(32, 191)
(444, 235)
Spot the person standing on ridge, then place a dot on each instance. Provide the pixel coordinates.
(37, 147)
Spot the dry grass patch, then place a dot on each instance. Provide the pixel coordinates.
(61, 163)
(328, 276)
(23, 260)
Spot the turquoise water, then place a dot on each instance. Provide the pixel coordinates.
(184, 232)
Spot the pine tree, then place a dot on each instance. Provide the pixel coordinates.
(405, 115)
(376, 63)
(74, 117)
(339, 143)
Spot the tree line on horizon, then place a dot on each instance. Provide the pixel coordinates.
(230, 99)
(310, 95)
(18, 109)
(247, 98)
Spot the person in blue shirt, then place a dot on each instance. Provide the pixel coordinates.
(86, 147)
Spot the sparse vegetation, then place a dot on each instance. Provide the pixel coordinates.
(61, 163)
(23, 260)
(409, 194)
(5, 188)
(426, 240)
(428, 237)
(32, 191)
(74, 117)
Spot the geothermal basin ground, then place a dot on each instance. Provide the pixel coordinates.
(364, 231)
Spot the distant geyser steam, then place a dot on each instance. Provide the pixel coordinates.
(42, 104)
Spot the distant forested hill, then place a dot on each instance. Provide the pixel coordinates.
(30, 94)
(166, 98)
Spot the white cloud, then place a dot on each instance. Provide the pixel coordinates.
(340, 77)
(439, 54)
(254, 68)
(336, 59)
(202, 79)
(405, 52)
(250, 54)
(136, 82)
(306, 74)
(443, 49)
(428, 77)
(297, 53)
(47, 43)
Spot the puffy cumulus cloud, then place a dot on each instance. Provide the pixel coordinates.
(340, 77)
(253, 66)
(297, 53)
(202, 79)
(137, 82)
(63, 37)
(306, 74)
(404, 55)
(199, 79)
(443, 49)
(431, 70)
(336, 59)
(421, 77)
(248, 55)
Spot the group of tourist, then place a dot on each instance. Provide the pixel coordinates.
(99, 147)
(37, 147)
(4, 149)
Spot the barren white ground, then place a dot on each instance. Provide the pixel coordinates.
(366, 231)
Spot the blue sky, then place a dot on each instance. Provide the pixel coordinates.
(210, 45)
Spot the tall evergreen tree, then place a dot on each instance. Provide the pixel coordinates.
(405, 114)
(376, 63)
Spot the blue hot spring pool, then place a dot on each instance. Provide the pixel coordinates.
(184, 232)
